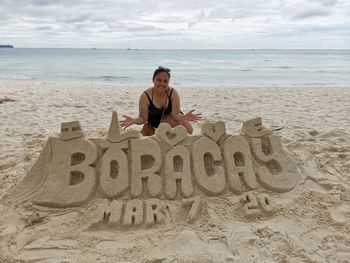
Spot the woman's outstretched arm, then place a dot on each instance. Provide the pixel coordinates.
(176, 114)
(143, 114)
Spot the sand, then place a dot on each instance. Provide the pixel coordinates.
(309, 224)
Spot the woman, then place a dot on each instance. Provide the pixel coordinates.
(160, 103)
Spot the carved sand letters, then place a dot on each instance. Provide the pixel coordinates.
(132, 213)
(195, 204)
(146, 161)
(239, 164)
(168, 165)
(178, 170)
(207, 165)
(108, 213)
(114, 179)
(255, 205)
(276, 172)
(72, 179)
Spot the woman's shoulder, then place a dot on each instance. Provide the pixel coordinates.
(148, 91)
(174, 91)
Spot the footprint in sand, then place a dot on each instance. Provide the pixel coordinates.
(313, 184)
(5, 99)
(341, 213)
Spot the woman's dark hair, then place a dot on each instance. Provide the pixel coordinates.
(161, 69)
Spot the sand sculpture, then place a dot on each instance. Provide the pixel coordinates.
(133, 175)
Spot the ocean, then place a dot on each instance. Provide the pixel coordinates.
(188, 67)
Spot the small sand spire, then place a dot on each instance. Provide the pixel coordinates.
(114, 128)
(115, 134)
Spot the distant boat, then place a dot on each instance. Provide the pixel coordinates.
(6, 46)
(94, 48)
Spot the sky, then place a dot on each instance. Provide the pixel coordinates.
(176, 24)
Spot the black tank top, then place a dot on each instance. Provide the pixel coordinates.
(155, 114)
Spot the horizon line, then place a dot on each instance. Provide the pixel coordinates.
(132, 49)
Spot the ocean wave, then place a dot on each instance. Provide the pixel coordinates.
(283, 67)
(17, 77)
(110, 78)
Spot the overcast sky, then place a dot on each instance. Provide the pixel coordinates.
(197, 24)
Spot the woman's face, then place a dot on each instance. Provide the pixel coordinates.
(161, 81)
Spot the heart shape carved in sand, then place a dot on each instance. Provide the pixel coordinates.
(214, 130)
(171, 136)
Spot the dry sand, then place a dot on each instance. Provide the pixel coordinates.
(310, 224)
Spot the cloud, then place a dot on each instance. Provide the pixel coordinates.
(43, 28)
(311, 10)
(327, 2)
(177, 23)
(196, 19)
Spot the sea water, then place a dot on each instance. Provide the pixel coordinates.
(188, 67)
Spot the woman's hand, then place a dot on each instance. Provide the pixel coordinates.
(128, 121)
(189, 116)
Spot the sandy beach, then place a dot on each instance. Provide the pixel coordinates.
(311, 223)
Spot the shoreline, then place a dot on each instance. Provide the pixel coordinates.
(148, 84)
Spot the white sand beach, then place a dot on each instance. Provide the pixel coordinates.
(311, 223)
